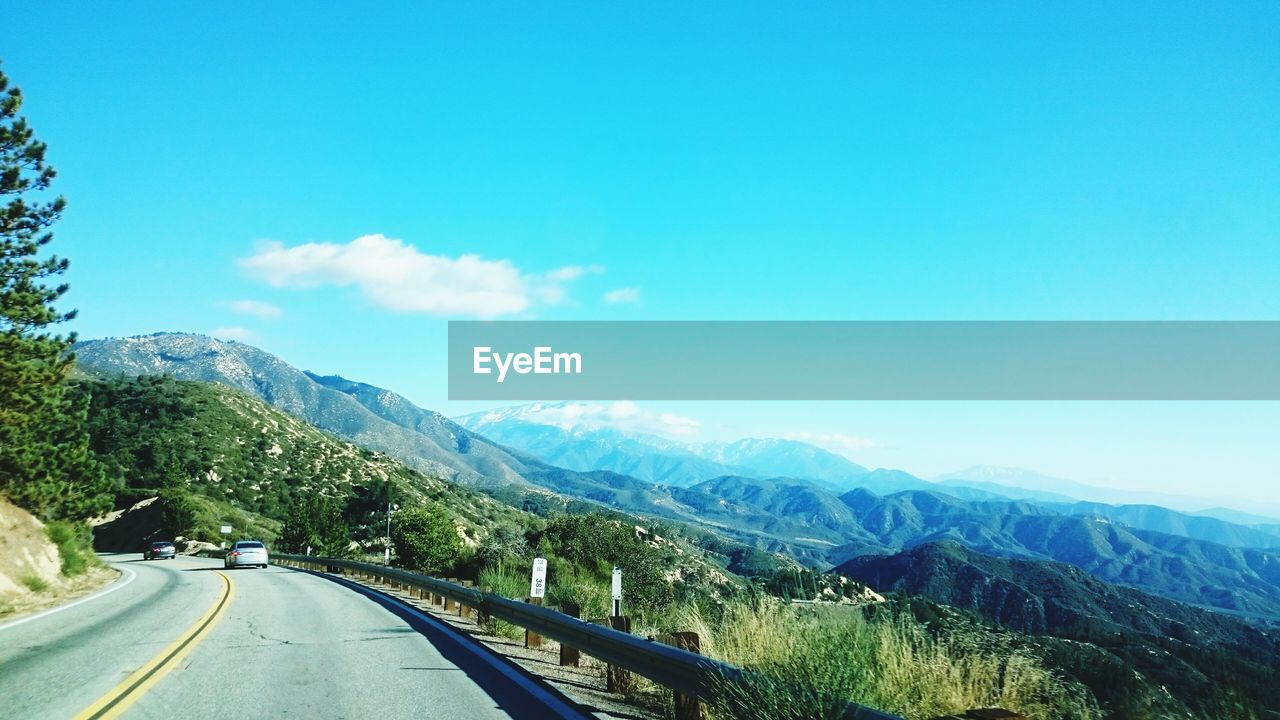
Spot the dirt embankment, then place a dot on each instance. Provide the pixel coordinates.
(28, 558)
(31, 576)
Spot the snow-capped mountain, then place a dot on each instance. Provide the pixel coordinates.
(624, 439)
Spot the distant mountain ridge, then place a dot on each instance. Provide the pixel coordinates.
(369, 416)
(1238, 579)
(1034, 485)
(564, 434)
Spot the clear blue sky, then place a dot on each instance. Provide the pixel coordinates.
(748, 161)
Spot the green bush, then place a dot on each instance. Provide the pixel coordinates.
(75, 545)
(594, 544)
(426, 539)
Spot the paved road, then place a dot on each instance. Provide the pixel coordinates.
(288, 644)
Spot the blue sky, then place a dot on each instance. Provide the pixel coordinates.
(754, 161)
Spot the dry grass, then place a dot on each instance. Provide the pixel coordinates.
(822, 657)
(53, 594)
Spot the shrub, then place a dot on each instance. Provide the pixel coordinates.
(75, 545)
(595, 544)
(425, 538)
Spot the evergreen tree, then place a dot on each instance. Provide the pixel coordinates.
(46, 465)
(315, 522)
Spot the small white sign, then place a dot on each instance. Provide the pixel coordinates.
(617, 584)
(226, 529)
(538, 587)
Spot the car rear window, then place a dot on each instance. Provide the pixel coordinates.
(160, 544)
(249, 545)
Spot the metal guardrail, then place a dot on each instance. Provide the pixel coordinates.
(680, 670)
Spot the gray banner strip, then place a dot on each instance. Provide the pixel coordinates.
(929, 360)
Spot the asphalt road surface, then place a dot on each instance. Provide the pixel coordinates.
(270, 642)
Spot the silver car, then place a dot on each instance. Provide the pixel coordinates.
(246, 553)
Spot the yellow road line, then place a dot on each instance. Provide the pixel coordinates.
(122, 696)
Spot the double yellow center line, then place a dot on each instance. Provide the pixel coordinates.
(122, 696)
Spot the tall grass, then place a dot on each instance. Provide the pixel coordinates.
(582, 588)
(506, 583)
(75, 546)
(814, 656)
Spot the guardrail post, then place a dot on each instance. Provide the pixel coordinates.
(465, 610)
(618, 679)
(687, 706)
(531, 638)
(448, 603)
(569, 655)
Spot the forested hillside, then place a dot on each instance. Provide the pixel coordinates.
(214, 453)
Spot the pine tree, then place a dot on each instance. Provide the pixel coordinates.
(45, 462)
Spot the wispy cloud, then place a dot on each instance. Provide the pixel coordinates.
(254, 308)
(622, 295)
(233, 333)
(397, 276)
(835, 442)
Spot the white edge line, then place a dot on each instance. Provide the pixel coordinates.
(491, 658)
(129, 576)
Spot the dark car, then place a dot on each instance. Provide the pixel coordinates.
(160, 550)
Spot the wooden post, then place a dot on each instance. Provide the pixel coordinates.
(448, 604)
(531, 638)
(687, 706)
(618, 679)
(465, 610)
(569, 655)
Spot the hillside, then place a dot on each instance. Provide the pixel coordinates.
(244, 459)
(1200, 656)
(367, 416)
(235, 460)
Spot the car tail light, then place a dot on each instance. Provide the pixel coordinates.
(235, 553)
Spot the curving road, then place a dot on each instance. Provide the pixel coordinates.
(285, 644)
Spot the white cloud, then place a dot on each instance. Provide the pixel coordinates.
(397, 276)
(622, 415)
(622, 295)
(835, 442)
(255, 308)
(233, 333)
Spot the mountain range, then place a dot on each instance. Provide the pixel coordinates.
(807, 511)
(564, 434)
